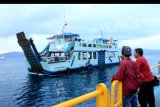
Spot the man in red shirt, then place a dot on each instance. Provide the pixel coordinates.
(146, 92)
(127, 73)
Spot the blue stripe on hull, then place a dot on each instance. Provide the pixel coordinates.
(74, 69)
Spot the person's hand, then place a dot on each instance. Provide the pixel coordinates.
(112, 79)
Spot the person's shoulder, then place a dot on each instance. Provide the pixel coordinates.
(142, 57)
(145, 60)
(141, 60)
(133, 62)
(137, 60)
(123, 62)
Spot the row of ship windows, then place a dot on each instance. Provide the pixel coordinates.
(90, 45)
(85, 55)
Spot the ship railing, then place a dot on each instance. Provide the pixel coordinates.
(102, 95)
(116, 89)
(156, 67)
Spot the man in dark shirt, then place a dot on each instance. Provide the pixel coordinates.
(127, 73)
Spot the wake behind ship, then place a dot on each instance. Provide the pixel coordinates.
(67, 51)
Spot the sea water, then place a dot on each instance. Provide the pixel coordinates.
(20, 89)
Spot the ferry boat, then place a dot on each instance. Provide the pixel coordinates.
(68, 51)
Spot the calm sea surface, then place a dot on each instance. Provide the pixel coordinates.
(20, 89)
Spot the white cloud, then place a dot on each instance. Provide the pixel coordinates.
(10, 44)
(151, 42)
(116, 20)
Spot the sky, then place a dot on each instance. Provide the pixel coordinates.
(135, 25)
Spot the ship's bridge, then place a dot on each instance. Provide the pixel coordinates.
(64, 37)
(60, 46)
(62, 42)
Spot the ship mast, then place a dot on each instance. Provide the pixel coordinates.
(65, 24)
(102, 33)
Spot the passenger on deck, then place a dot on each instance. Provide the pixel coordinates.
(127, 73)
(111, 40)
(146, 92)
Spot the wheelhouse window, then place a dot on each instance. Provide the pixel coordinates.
(68, 38)
(89, 45)
(84, 55)
(52, 55)
(79, 44)
(57, 54)
(79, 55)
(94, 55)
(89, 55)
(110, 46)
(84, 44)
(59, 37)
(94, 45)
(104, 41)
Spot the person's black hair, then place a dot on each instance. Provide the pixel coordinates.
(123, 51)
(139, 51)
(127, 56)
